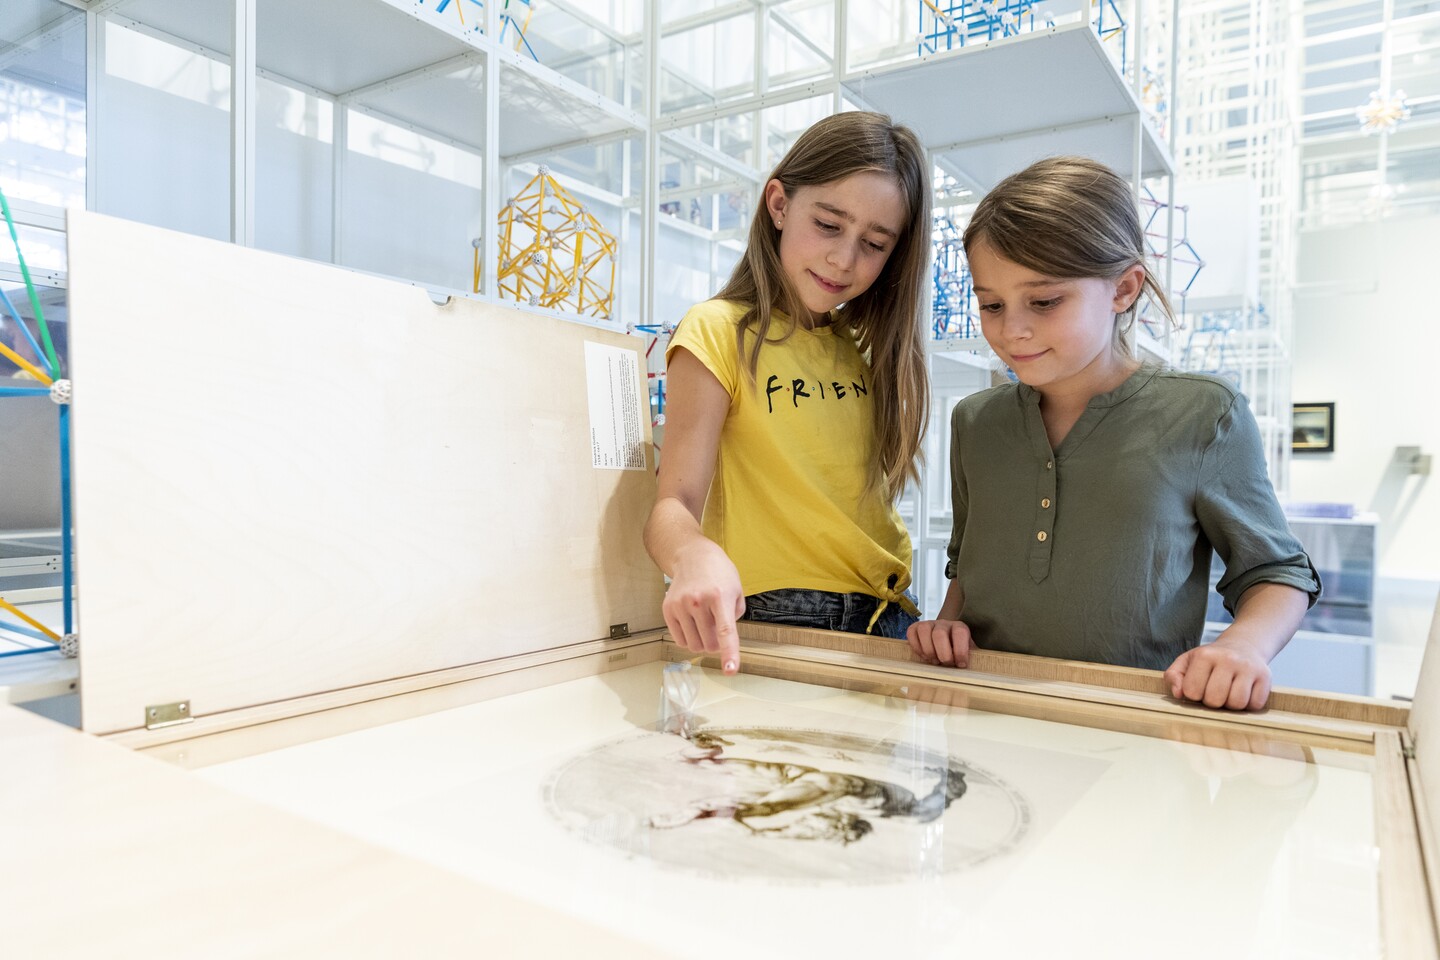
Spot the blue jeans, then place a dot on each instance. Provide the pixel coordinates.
(820, 610)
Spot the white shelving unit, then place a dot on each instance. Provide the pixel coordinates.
(988, 110)
(667, 122)
(397, 63)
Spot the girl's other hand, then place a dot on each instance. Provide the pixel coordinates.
(943, 642)
(1221, 674)
(703, 603)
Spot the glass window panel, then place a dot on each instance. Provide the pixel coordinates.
(42, 107)
(1415, 61)
(1367, 71)
(25, 342)
(733, 135)
(153, 63)
(1350, 47)
(294, 171)
(1346, 17)
(164, 135)
(629, 298)
(372, 137)
(1340, 182)
(1414, 8)
(1330, 126)
(1347, 98)
(574, 42)
(709, 64)
(801, 42)
(411, 205)
(784, 123)
(879, 32)
(1412, 169)
(677, 9)
(43, 249)
(684, 275)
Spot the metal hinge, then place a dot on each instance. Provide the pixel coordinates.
(1407, 750)
(167, 715)
(619, 631)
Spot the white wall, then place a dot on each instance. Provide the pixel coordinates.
(1367, 336)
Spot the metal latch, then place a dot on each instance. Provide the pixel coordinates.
(167, 715)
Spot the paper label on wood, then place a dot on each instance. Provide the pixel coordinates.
(617, 434)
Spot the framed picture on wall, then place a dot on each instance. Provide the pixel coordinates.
(1312, 428)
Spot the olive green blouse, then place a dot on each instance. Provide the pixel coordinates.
(1100, 550)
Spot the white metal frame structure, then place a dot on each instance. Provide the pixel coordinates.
(637, 106)
(1238, 107)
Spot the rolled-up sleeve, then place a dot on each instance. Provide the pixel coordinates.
(1242, 519)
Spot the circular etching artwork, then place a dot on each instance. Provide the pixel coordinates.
(787, 804)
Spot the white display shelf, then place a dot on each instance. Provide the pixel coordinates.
(991, 109)
(331, 45)
(394, 58)
(36, 676)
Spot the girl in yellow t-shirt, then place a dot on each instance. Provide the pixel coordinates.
(796, 401)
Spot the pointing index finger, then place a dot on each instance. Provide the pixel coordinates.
(729, 639)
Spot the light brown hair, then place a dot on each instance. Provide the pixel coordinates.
(886, 319)
(1069, 218)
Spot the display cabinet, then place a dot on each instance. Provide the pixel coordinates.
(397, 711)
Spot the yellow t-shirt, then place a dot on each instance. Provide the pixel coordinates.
(788, 501)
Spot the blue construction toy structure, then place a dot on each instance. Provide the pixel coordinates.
(953, 314)
(30, 636)
(656, 332)
(950, 25)
(1213, 345)
(1188, 263)
(512, 30)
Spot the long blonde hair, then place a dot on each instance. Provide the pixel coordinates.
(886, 319)
(1069, 218)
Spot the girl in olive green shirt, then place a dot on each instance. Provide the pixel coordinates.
(1089, 495)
